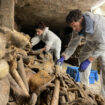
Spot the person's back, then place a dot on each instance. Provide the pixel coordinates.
(98, 28)
(50, 37)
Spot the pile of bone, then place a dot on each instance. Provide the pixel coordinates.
(30, 77)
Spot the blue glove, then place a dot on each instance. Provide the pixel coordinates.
(61, 60)
(84, 65)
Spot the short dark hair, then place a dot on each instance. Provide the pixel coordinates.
(73, 15)
(41, 25)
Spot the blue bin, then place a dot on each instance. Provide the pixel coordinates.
(74, 73)
(94, 73)
(93, 76)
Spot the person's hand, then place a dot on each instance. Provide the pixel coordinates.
(91, 59)
(61, 60)
(84, 65)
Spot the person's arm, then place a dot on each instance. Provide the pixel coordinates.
(99, 50)
(74, 42)
(35, 40)
(91, 59)
(43, 49)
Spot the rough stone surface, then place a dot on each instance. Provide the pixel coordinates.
(7, 13)
(53, 12)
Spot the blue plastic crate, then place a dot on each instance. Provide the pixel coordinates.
(94, 73)
(74, 72)
(91, 80)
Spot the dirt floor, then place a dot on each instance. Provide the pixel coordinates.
(94, 88)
